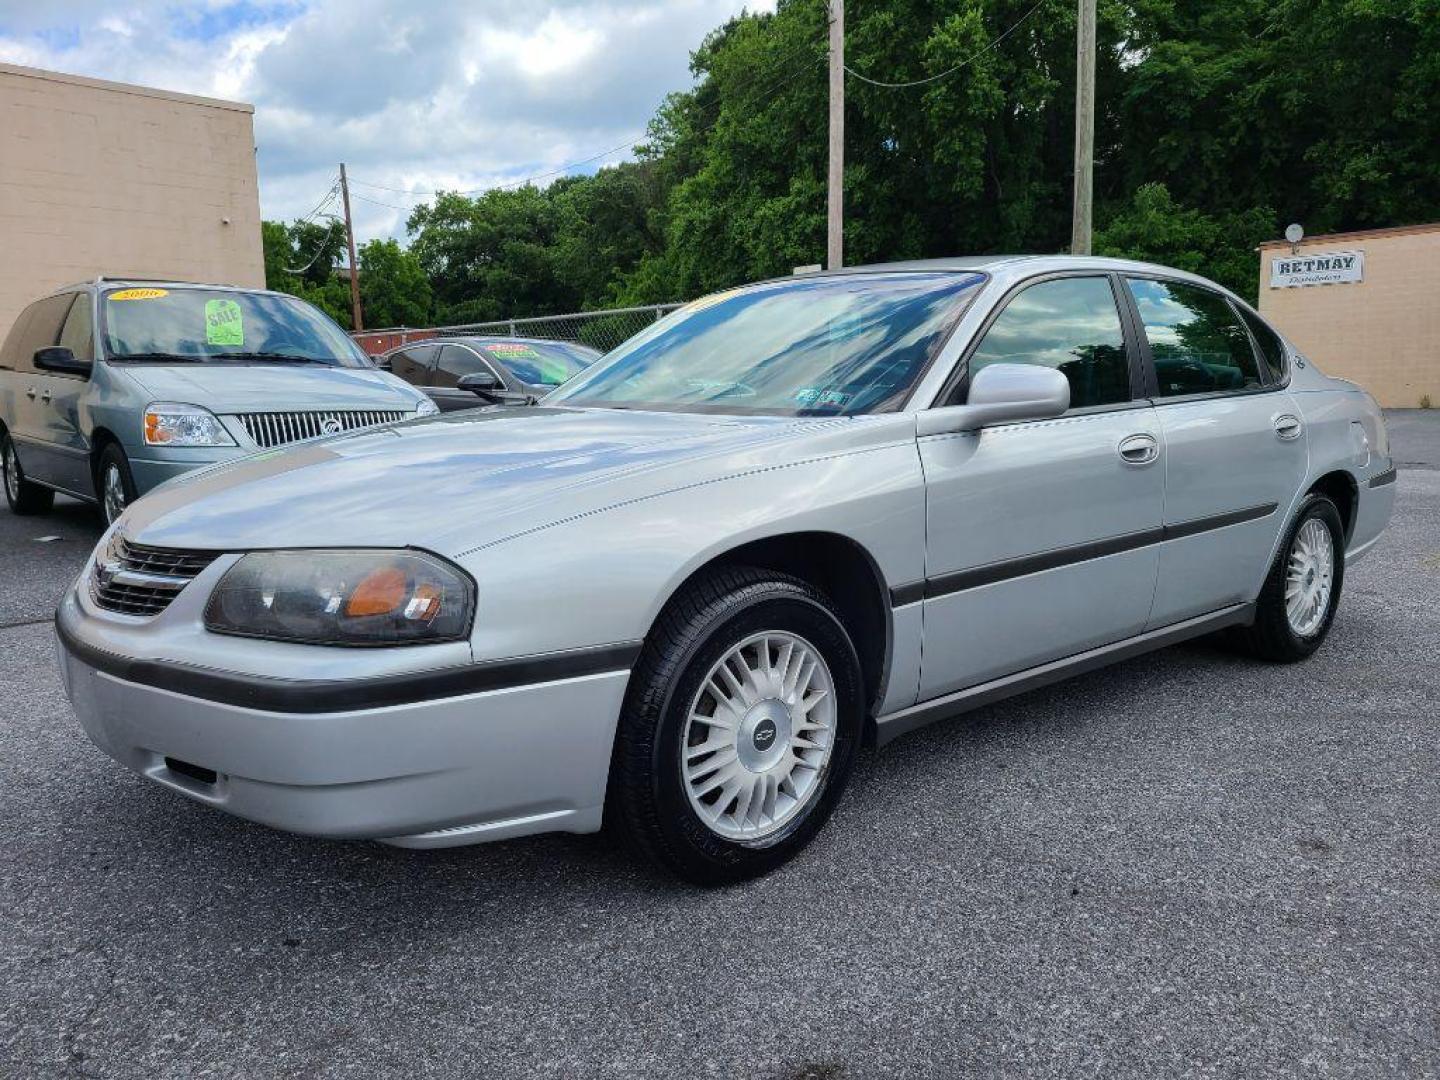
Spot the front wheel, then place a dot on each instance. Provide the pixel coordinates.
(740, 727)
(114, 486)
(1298, 601)
(23, 496)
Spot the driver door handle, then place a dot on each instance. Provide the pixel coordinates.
(45, 397)
(30, 393)
(1139, 449)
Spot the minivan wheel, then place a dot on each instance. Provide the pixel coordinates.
(1298, 601)
(740, 727)
(114, 486)
(22, 496)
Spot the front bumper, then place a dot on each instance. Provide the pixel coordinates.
(422, 773)
(152, 466)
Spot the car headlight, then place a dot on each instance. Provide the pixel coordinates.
(170, 424)
(343, 598)
(426, 408)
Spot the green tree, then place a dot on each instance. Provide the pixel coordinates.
(394, 290)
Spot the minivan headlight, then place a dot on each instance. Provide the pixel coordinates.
(170, 424)
(343, 598)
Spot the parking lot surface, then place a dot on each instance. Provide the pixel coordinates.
(1188, 865)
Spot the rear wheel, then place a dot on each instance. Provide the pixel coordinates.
(740, 727)
(114, 486)
(23, 496)
(1298, 602)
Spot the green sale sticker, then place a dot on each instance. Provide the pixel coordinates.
(223, 323)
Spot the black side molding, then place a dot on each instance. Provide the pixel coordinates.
(337, 695)
(1386, 477)
(945, 584)
(892, 726)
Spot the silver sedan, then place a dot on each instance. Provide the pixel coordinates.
(680, 594)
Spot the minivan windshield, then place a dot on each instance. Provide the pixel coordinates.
(220, 326)
(820, 346)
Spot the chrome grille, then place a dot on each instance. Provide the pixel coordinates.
(137, 580)
(278, 428)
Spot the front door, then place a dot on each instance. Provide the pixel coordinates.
(33, 427)
(67, 450)
(1042, 535)
(452, 365)
(1235, 444)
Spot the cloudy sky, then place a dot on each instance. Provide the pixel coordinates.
(411, 94)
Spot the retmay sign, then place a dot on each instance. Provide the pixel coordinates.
(1327, 268)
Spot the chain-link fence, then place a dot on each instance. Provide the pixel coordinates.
(602, 330)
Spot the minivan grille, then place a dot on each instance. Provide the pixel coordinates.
(137, 580)
(278, 428)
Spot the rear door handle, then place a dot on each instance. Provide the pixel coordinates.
(45, 397)
(30, 393)
(1287, 426)
(1139, 449)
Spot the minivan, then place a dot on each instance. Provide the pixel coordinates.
(111, 387)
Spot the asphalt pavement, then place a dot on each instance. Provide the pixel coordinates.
(1188, 865)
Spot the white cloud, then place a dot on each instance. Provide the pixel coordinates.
(412, 96)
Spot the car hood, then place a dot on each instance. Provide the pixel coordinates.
(233, 388)
(455, 482)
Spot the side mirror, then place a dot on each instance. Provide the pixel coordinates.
(1002, 394)
(483, 383)
(61, 360)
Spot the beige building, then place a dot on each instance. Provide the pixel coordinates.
(1365, 306)
(104, 178)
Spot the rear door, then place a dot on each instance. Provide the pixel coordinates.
(1234, 441)
(1042, 535)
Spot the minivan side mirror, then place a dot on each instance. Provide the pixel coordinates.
(60, 360)
(1002, 394)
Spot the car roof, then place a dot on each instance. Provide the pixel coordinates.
(155, 283)
(993, 263)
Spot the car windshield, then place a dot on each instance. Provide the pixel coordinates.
(180, 325)
(539, 363)
(820, 346)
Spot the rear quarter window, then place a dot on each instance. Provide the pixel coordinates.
(1272, 349)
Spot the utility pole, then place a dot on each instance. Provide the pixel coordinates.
(350, 242)
(1084, 128)
(835, 208)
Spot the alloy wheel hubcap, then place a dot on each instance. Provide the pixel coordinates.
(759, 735)
(114, 489)
(1309, 577)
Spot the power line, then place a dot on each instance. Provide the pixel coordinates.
(950, 71)
(319, 250)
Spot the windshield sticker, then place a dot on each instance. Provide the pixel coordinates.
(512, 352)
(139, 294)
(815, 397)
(223, 325)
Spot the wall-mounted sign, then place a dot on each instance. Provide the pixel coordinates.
(1321, 268)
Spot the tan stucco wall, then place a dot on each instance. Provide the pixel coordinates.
(104, 178)
(1384, 332)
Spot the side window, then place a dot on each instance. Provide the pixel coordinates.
(1070, 324)
(78, 333)
(43, 320)
(13, 356)
(1271, 347)
(1198, 344)
(455, 363)
(413, 364)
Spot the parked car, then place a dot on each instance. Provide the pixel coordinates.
(110, 388)
(681, 593)
(453, 371)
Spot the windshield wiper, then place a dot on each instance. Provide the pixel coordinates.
(161, 358)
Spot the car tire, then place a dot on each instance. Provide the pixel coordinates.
(785, 748)
(114, 483)
(23, 496)
(1286, 631)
